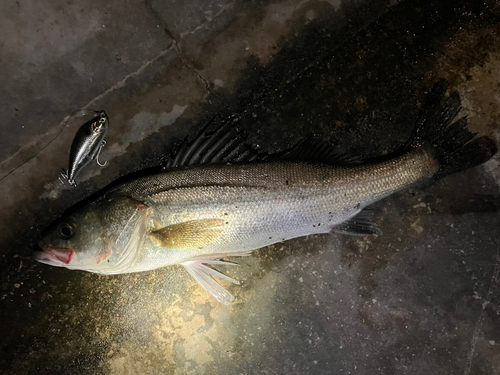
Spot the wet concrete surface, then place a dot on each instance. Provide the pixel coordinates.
(423, 298)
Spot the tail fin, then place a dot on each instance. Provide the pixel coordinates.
(454, 146)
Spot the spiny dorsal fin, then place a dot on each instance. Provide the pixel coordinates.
(313, 149)
(223, 145)
(359, 225)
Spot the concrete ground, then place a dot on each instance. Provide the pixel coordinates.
(421, 299)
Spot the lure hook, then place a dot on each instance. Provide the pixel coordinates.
(99, 152)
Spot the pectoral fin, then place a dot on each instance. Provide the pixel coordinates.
(189, 234)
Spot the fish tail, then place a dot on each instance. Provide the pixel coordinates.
(452, 144)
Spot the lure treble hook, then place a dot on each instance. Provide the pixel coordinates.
(99, 153)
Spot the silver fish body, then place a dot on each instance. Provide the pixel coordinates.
(86, 145)
(195, 215)
(261, 204)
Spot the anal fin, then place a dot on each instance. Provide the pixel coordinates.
(359, 225)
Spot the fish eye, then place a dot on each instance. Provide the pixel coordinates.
(66, 231)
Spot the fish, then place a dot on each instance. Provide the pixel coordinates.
(218, 198)
(86, 146)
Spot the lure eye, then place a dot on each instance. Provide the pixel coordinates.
(66, 231)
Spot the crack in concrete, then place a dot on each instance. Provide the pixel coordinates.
(116, 86)
(494, 280)
(209, 19)
(184, 61)
(175, 42)
(133, 74)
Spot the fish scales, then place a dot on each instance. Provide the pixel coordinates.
(265, 203)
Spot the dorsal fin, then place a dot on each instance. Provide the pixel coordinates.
(225, 144)
(314, 149)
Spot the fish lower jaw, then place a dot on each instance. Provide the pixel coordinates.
(54, 256)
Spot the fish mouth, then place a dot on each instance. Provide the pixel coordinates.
(53, 255)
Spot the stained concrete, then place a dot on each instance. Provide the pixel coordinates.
(423, 298)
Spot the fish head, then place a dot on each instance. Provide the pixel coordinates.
(75, 242)
(101, 238)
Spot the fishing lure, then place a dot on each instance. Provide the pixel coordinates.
(87, 145)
